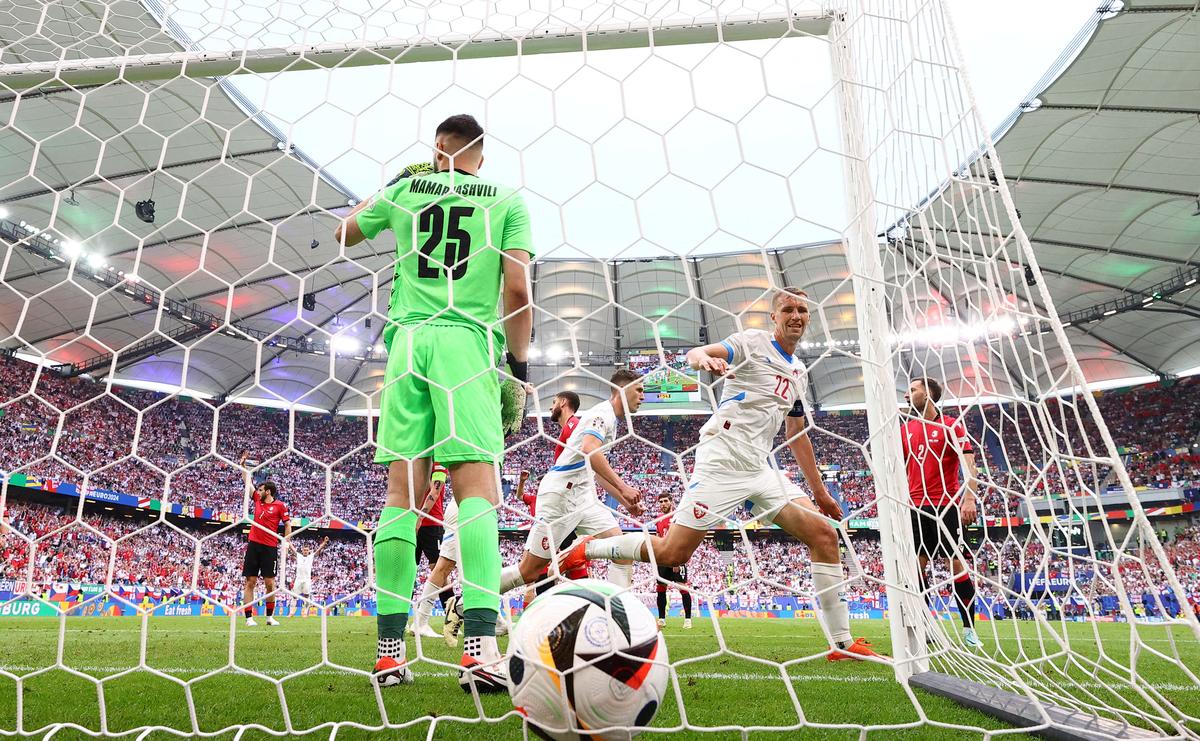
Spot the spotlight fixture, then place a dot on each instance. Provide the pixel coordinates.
(70, 199)
(145, 210)
(1030, 280)
(314, 244)
(310, 302)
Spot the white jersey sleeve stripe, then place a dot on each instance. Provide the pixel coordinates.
(595, 433)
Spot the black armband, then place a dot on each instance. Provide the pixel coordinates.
(797, 409)
(519, 368)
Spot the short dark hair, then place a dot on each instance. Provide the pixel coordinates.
(666, 495)
(271, 487)
(932, 387)
(463, 127)
(786, 291)
(623, 377)
(571, 398)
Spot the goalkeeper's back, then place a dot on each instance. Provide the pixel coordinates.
(450, 229)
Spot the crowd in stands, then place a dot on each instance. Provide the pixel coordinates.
(153, 446)
(125, 552)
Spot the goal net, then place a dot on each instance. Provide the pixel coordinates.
(174, 311)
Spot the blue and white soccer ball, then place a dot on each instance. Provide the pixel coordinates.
(587, 656)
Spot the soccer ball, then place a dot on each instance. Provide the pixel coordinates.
(587, 656)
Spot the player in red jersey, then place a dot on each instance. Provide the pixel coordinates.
(262, 549)
(934, 447)
(429, 542)
(562, 412)
(670, 574)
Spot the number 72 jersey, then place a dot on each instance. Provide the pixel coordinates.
(450, 230)
(766, 384)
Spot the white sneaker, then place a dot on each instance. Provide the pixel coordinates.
(486, 674)
(662, 623)
(971, 639)
(687, 623)
(428, 632)
(250, 623)
(272, 621)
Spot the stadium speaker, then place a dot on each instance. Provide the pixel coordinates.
(145, 210)
(310, 302)
(704, 335)
(368, 322)
(1029, 279)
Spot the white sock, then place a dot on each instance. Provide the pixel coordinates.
(626, 547)
(510, 578)
(621, 574)
(482, 648)
(425, 603)
(830, 588)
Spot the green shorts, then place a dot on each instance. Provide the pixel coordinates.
(441, 397)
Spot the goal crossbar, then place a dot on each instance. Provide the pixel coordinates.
(163, 66)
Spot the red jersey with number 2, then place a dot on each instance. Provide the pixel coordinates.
(269, 516)
(931, 451)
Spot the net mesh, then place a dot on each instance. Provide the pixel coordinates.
(716, 130)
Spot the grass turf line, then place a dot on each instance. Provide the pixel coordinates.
(720, 690)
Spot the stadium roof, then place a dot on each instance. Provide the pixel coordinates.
(1103, 166)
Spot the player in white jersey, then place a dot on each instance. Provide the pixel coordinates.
(567, 498)
(302, 584)
(764, 387)
(439, 579)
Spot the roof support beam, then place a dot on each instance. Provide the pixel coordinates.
(1103, 186)
(1066, 274)
(1145, 364)
(1117, 108)
(185, 237)
(1078, 246)
(280, 351)
(131, 173)
(615, 281)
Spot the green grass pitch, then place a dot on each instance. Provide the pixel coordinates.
(724, 690)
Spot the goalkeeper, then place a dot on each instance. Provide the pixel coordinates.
(462, 243)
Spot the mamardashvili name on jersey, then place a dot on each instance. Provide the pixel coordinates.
(766, 382)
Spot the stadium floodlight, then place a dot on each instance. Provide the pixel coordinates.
(71, 248)
(345, 344)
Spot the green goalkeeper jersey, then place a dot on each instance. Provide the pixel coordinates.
(450, 229)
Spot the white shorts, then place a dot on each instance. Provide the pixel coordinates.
(449, 547)
(558, 517)
(302, 586)
(713, 498)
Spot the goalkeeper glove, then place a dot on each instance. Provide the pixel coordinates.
(416, 169)
(512, 395)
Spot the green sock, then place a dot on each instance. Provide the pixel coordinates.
(479, 541)
(395, 569)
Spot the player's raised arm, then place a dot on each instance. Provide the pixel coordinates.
(247, 477)
(349, 229)
(801, 446)
(714, 358)
(321, 547)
